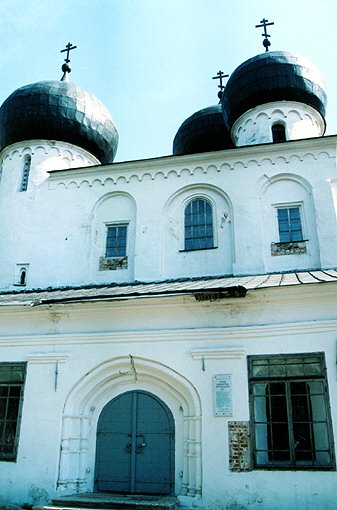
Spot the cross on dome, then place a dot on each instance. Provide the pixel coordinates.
(219, 76)
(66, 68)
(264, 24)
(68, 49)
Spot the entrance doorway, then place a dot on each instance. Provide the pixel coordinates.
(135, 445)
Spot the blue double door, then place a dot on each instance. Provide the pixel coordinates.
(135, 446)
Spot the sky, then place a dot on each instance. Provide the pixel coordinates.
(151, 62)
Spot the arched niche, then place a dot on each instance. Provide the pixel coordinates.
(114, 211)
(287, 191)
(174, 256)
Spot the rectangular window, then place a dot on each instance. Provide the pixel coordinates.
(290, 412)
(12, 378)
(116, 241)
(289, 224)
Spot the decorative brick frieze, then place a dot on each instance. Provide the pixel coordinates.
(239, 446)
(113, 263)
(291, 248)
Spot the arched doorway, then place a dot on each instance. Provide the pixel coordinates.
(135, 445)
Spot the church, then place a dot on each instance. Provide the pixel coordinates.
(168, 326)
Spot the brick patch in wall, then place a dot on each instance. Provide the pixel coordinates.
(239, 446)
(292, 248)
(112, 263)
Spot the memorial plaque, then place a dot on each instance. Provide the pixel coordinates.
(223, 395)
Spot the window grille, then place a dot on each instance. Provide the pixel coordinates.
(116, 241)
(198, 225)
(290, 412)
(289, 224)
(12, 378)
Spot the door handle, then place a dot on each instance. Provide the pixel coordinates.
(140, 446)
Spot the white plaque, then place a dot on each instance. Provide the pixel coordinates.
(223, 395)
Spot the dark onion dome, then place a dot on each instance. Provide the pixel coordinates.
(204, 131)
(273, 76)
(58, 110)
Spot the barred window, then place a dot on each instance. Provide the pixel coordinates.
(12, 378)
(198, 225)
(116, 241)
(290, 412)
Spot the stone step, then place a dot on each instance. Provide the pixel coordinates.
(99, 501)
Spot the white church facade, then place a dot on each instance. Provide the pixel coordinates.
(168, 326)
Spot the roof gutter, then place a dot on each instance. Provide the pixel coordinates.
(212, 294)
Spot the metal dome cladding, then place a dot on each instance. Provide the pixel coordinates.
(273, 76)
(203, 131)
(59, 110)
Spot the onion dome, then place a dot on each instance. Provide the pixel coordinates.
(62, 111)
(269, 77)
(204, 131)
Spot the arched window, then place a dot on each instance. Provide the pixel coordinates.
(25, 173)
(279, 132)
(23, 276)
(198, 225)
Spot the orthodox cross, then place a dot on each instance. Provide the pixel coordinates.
(264, 24)
(68, 49)
(219, 76)
(66, 68)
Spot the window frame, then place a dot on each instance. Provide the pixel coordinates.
(293, 205)
(293, 463)
(12, 456)
(116, 224)
(20, 268)
(186, 204)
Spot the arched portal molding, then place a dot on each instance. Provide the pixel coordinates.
(105, 382)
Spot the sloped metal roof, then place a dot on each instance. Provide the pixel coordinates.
(214, 287)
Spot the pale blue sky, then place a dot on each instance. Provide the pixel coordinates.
(151, 62)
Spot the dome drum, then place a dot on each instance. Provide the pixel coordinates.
(297, 119)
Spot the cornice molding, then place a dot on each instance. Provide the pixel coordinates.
(217, 353)
(46, 358)
(230, 334)
(47, 146)
(196, 164)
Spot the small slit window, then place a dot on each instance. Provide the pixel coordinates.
(278, 132)
(25, 173)
(22, 279)
(198, 225)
